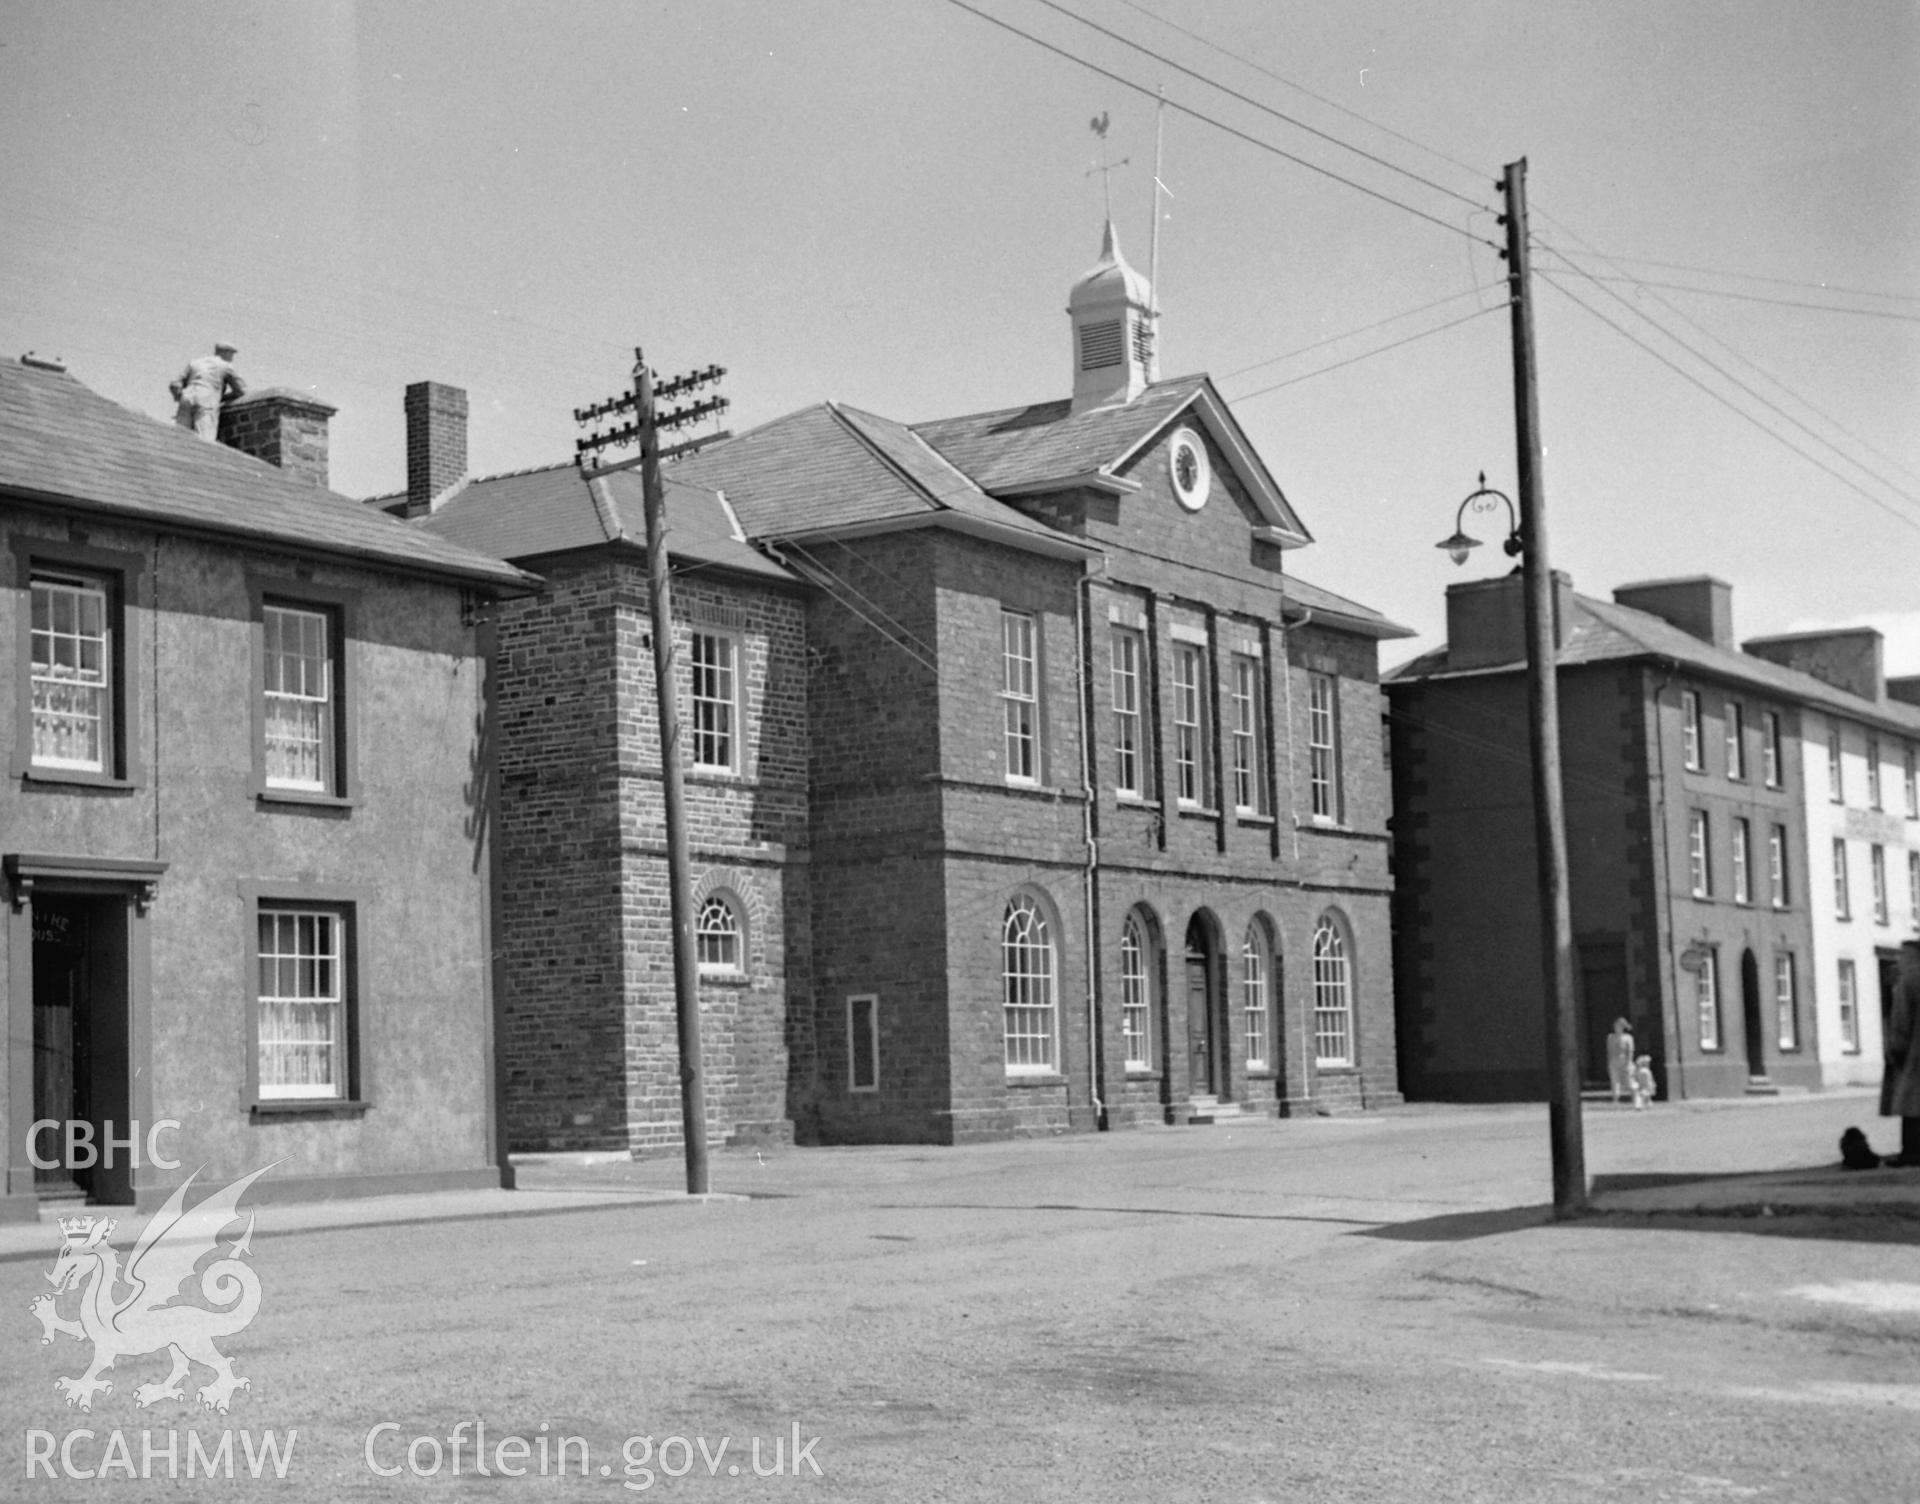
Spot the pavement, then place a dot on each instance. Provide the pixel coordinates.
(1820, 1192)
(552, 1184)
(39, 1240)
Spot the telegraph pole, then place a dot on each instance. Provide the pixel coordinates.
(645, 431)
(1564, 1126)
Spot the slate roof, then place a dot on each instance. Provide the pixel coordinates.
(832, 468)
(1019, 446)
(64, 443)
(1019, 450)
(530, 513)
(1605, 632)
(1352, 614)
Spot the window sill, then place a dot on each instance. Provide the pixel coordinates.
(1252, 817)
(1035, 1078)
(1142, 1073)
(1198, 811)
(720, 776)
(306, 1107)
(1028, 789)
(1336, 1068)
(269, 798)
(725, 979)
(78, 778)
(1134, 801)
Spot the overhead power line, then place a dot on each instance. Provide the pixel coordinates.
(1725, 402)
(1467, 167)
(1298, 124)
(1714, 271)
(1765, 375)
(1369, 354)
(1221, 125)
(1755, 297)
(1334, 339)
(1641, 313)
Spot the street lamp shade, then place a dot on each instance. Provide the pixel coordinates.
(1484, 498)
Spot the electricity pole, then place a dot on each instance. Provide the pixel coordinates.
(1564, 1127)
(645, 431)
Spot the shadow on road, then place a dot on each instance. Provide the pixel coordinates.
(1117, 1211)
(1458, 1227)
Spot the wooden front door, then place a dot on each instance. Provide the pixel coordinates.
(1752, 1017)
(1200, 1075)
(61, 1054)
(82, 1029)
(1603, 998)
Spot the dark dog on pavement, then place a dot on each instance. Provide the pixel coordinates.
(1856, 1153)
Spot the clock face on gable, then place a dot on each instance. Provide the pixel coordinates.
(1192, 476)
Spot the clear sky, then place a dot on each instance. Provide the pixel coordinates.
(884, 202)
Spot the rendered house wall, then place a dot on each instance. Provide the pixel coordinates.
(406, 850)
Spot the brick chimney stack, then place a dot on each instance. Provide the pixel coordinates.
(1697, 604)
(436, 444)
(1487, 620)
(1849, 658)
(282, 427)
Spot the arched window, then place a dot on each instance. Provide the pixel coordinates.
(1136, 1025)
(1254, 1009)
(717, 937)
(1332, 995)
(1026, 969)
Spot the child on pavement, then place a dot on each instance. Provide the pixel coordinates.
(1642, 1082)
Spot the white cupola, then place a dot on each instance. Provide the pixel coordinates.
(1114, 331)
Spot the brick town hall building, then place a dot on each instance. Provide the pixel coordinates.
(1028, 790)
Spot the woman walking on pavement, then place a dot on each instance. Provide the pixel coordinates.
(1620, 1060)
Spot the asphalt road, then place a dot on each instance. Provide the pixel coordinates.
(1351, 1309)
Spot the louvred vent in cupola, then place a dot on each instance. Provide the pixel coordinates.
(1101, 345)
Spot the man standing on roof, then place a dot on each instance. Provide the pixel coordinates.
(208, 381)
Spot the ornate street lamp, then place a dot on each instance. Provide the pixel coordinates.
(1482, 500)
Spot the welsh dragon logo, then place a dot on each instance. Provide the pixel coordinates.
(152, 1314)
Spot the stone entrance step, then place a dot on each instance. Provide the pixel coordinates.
(1210, 1109)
